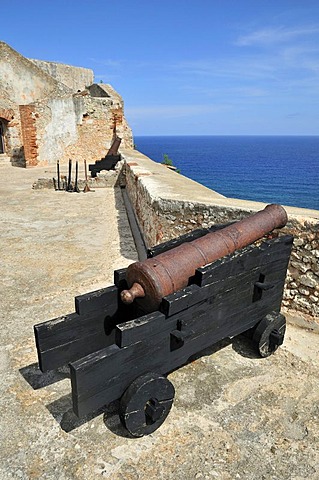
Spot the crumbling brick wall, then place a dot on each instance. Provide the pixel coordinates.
(77, 126)
(29, 134)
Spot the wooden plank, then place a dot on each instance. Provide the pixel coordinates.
(227, 328)
(237, 263)
(120, 278)
(253, 255)
(206, 326)
(189, 296)
(250, 257)
(245, 259)
(102, 299)
(227, 306)
(183, 299)
(67, 338)
(127, 333)
(103, 376)
(273, 273)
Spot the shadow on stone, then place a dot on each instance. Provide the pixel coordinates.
(240, 344)
(62, 411)
(211, 349)
(244, 346)
(127, 243)
(112, 420)
(37, 379)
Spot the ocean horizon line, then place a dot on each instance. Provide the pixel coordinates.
(226, 135)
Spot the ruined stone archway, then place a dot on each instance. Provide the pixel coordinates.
(6, 116)
(2, 136)
(11, 148)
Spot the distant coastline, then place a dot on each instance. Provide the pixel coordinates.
(281, 169)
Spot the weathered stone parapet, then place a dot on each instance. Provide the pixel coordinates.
(23, 81)
(168, 204)
(76, 78)
(302, 287)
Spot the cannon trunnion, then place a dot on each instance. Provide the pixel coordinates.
(119, 351)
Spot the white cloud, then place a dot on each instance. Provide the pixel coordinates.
(249, 67)
(273, 35)
(249, 91)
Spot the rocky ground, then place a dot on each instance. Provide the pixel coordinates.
(235, 416)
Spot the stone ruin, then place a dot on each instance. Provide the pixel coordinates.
(51, 111)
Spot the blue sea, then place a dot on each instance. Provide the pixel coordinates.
(271, 169)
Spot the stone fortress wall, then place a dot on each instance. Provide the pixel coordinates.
(76, 78)
(167, 205)
(51, 111)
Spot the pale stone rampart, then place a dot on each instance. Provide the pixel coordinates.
(167, 205)
(23, 82)
(76, 78)
(51, 111)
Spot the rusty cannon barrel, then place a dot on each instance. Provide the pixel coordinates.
(151, 280)
(115, 146)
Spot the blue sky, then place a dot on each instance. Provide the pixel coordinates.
(184, 67)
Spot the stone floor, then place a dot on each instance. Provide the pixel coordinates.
(235, 416)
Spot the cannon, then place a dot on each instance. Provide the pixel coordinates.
(110, 159)
(151, 280)
(122, 345)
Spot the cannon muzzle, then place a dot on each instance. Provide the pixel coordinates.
(151, 280)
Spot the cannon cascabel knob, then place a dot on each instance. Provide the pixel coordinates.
(136, 291)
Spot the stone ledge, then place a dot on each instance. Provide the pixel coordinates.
(165, 184)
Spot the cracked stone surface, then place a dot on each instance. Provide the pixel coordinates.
(235, 416)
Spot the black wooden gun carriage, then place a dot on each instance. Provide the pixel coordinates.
(117, 351)
(109, 161)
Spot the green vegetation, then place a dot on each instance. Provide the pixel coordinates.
(169, 163)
